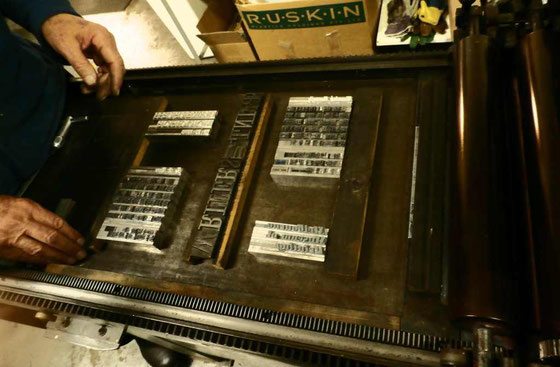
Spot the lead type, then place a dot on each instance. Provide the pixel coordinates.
(209, 230)
(138, 214)
(183, 124)
(186, 115)
(289, 240)
(314, 128)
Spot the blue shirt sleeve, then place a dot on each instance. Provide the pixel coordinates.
(32, 91)
(31, 14)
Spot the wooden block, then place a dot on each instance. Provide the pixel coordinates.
(145, 142)
(244, 185)
(141, 152)
(347, 228)
(426, 225)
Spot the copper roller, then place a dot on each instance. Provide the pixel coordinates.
(482, 290)
(539, 86)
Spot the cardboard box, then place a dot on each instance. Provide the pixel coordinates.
(311, 28)
(222, 32)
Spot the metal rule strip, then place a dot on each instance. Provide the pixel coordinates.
(259, 347)
(362, 332)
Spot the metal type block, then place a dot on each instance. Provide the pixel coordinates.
(149, 218)
(218, 202)
(132, 226)
(156, 180)
(182, 124)
(325, 103)
(146, 187)
(237, 150)
(144, 194)
(308, 171)
(302, 228)
(309, 155)
(144, 205)
(285, 252)
(156, 171)
(306, 120)
(229, 162)
(214, 214)
(203, 245)
(308, 162)
(245, 117)
(140, 201)
(112, 231)
(180, 132)
(282, 237)
(116, 208)
(186, 115)
(113, 211)
(289, 240)
(223, 185)
(312, 143)
(207, 235)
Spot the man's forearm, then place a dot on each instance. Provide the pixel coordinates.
(31, 14)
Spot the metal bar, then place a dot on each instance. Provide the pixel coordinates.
(413, 183)
(307, 339)
(422, 60)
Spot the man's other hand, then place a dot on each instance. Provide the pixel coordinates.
(30, 233)
(77, 40)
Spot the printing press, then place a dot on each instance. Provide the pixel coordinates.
(398, 209)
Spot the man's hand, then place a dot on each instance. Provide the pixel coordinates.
(30, 233)
(77, 40)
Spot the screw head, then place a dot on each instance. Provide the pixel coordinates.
(102, 330)
(66, 322)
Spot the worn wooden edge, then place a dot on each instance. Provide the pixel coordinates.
(425, 246)
(234, 297)
(352, 274)
(417, 263)
(145, 142)
(237, 209)
(141, 152)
